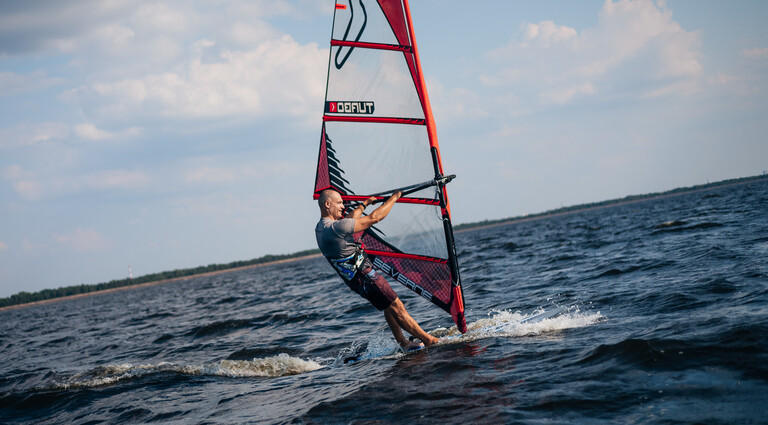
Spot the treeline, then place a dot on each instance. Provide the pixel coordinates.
(631, 198)
(48, 294)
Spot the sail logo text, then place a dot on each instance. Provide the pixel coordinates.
(349, 107)
(392, 271)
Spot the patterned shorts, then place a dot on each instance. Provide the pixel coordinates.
(372, 286)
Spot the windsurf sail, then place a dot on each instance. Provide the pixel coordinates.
(378, 136)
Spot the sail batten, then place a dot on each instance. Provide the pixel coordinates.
(378, 134)
(379, 46)
(383, 120)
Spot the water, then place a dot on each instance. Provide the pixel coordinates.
(667, 322)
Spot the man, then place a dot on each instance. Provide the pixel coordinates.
(334, 234)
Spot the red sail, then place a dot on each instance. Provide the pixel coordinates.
(378, 134)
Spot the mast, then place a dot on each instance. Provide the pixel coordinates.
(458, 293)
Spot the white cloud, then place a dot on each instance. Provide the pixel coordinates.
(116, 179)
(14, 83)
(15, 172)
(90, 132)
(685, 87)
(722, 78)
(546, 33)
(23, 182)
(28, 27)
(207, 174)
(755, 52)
(563, 96)
(636, 49)
(28, 246)
(31, 134)
(455, 103)
(28, 189)
(162, 17)
(224, 206)
(251, 172)
(251, 33)
(87, 131)
(52, 133)
(81, 240)
(36, 186)
(278, 77)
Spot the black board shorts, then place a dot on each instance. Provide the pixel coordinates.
(372, 286)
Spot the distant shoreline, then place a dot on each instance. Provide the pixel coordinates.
(633, 199)
(458, 229)
(153, 283)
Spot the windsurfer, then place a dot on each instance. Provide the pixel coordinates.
(334, 233)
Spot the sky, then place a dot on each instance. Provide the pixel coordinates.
(159, 135)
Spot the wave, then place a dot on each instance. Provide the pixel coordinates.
(500, 323)
(269, 367)
(682, 226)
(222, 328)
(505, 323)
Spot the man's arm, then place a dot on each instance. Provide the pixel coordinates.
(364, 222)
(357, 212)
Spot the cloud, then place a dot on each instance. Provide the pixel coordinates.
(81, 240)
(563, 96)
(170, 59)
(546, 33)
(28, 246)
(36, 186)
(28, 189)
(23, 182)
(219, 206)
(13, 83)
(51, 133)
(90, 132)
(457, 103)
(755, 52)
(207, 174)
(161, 16)
(251, 172)
(3, 246)
(15, 172)
(636, 50)
(26, 134)
(278, 77)
(27, 27)
(116, 179)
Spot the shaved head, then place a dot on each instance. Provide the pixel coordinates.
(325, 196)
(331, 204)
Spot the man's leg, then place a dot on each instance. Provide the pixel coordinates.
(399, 319)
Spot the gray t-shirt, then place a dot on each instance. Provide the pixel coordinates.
(335, 237)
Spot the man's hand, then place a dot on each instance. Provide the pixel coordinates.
(369, 201)
(363, 223)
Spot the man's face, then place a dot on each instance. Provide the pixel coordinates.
(337, 206)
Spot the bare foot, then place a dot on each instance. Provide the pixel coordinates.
(411, 346)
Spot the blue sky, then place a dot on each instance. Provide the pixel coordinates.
(172, 134)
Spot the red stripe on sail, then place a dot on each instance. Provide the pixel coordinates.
(385, 120)
(341, 6)
(378, 46)
(403, 255)
(406, 200)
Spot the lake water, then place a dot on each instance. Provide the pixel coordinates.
(667, 322)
